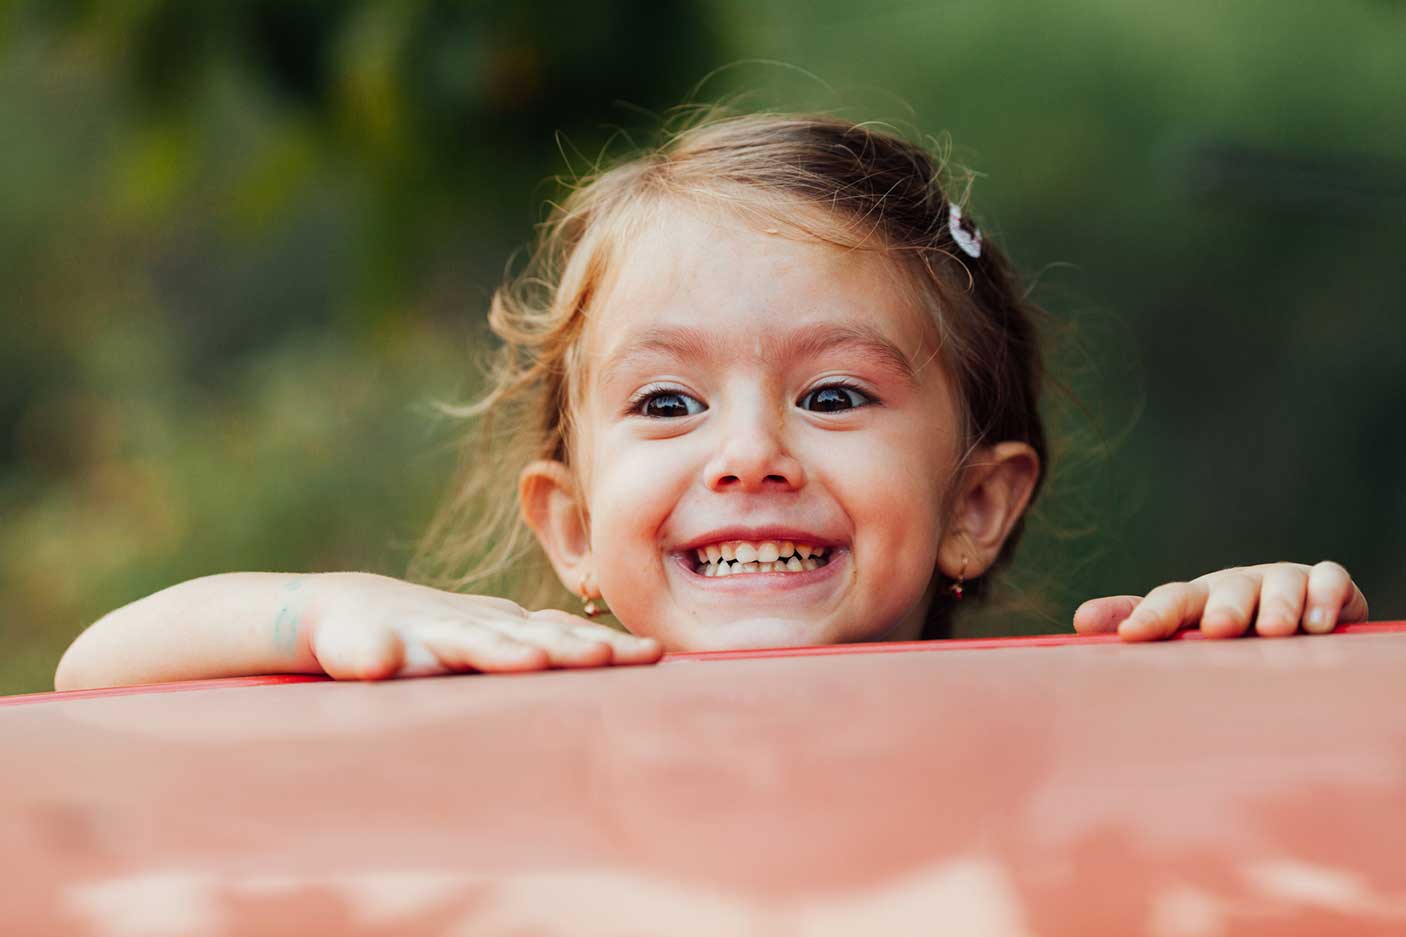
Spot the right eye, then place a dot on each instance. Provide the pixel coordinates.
(666, 404)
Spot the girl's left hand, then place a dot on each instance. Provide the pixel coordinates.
(1275, 598)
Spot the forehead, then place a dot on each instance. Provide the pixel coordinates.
(741, 282)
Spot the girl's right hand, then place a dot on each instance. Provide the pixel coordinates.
(372, 627)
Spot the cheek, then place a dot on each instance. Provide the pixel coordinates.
(634, 490)
(892, 484)
(894, 478)
(634, 484)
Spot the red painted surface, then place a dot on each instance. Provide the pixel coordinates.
(1182, 789)
(891, 647)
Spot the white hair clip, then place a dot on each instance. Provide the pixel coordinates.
(966, 235)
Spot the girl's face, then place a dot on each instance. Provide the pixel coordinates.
(749, 393)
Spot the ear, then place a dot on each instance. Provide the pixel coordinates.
(995, 489)
(552, 508)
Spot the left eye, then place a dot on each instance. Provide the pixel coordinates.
(669, 404)
(833, 397)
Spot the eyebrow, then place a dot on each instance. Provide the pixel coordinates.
(688, 343)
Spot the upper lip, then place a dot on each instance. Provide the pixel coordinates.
(753, 534)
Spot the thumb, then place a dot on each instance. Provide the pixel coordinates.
(1102, 616)
(357, 650)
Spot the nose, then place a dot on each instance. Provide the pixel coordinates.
(752, 455)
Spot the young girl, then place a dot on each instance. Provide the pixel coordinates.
(768, 385)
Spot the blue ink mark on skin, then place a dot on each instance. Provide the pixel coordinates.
(285, 624)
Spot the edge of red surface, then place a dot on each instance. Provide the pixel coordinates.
(967, 644)
(178, 686)
(891, 647)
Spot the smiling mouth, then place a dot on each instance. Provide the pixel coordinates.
(744, 557)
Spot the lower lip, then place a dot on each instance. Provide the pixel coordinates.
(744, 583)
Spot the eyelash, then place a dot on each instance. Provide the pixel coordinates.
(841, 384)
(639, 401)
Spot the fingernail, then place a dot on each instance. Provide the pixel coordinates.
(1316, 622)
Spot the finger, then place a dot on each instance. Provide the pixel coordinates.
(458, 647)
(564, 648)
(1230, 605)
(1282, 592)
(1333, 598)
(1166, 609)
(1102, 616)
(365, 651)
(625, 648)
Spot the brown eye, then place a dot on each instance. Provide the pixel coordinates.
(669, 404)
(832, 398)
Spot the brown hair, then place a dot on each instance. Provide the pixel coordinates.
(868, 188)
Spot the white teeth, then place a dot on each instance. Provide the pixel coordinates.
(793, 564)
(766, 556)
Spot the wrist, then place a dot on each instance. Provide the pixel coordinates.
(305, 603)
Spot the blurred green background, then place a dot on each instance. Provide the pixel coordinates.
(244, 246)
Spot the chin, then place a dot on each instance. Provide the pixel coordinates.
(749, 633)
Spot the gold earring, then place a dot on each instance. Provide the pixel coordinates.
(589, 606)
(956, 587)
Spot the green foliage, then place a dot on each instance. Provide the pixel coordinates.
(244, 245)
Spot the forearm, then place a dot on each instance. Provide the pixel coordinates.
(218, 626)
